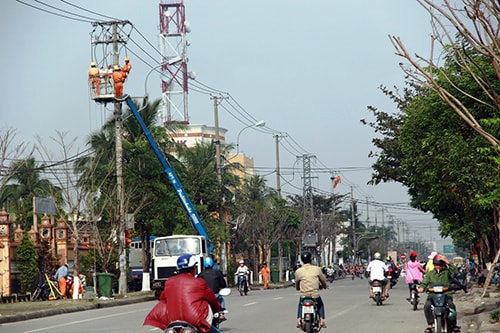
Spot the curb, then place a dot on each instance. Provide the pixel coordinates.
(74, 308)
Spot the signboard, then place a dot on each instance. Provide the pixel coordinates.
(448, 249)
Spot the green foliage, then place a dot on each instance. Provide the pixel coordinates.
(449, 169)
(27, 263)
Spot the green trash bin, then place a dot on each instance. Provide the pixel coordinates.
(104, 282)
(275, 276)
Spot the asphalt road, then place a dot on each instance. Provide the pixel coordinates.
(348, 309)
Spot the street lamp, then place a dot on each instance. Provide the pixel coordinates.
(356, 244)
(260, 123)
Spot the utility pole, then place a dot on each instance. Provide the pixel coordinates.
(278, 174)
(101, 36)
(353, 224)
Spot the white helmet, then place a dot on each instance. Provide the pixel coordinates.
(377, 255)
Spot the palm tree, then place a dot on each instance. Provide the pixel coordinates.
(25, 184)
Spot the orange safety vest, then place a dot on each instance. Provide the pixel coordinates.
(94, 72)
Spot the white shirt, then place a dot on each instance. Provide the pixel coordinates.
(377, 269)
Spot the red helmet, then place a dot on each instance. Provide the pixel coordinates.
(413, 254)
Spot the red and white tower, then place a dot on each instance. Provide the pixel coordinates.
(173, 48)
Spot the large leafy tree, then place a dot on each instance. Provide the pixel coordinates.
(467, 33)
(449, 169)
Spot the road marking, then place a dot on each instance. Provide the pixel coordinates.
(277, 298)
(251, 303)
(79, 321)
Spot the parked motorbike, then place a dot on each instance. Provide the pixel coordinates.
(377, 289)
(242, 284)
(310, 316)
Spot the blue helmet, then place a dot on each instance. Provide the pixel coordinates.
(186, 261)
(208, 262)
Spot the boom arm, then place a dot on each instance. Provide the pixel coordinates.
(172, 177)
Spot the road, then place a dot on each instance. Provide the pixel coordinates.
(348, 309)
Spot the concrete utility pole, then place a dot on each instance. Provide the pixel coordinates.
(115, 41)
(278, 174)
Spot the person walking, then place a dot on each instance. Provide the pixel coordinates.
(308, 278)
(265, 271)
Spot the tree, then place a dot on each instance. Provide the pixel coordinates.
(432, 146)
(27, 263)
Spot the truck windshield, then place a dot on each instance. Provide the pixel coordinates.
(177, 246)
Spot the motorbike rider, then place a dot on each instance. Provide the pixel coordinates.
(214, 278)
(307, 280)
(413, 271)
(243, 270)
(185, 298)
(441, 274)
(377, 270)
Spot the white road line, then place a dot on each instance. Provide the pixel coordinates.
(251, 303)
(79, 321)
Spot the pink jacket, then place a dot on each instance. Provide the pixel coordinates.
(413, 271)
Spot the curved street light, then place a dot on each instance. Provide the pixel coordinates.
(260, 123)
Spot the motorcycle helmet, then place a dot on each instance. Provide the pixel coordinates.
(186, 261)
(242, 261)
(413, 254)
(306, 257)
(388, 258)
(376, 255)
(208, 262)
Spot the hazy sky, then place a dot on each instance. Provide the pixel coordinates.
(308, 69)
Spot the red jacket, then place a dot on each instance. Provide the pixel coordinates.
(184, 298)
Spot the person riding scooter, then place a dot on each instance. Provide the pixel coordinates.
(377, 270)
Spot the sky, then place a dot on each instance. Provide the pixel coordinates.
(309, 70)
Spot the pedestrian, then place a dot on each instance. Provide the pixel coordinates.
(61, 274)
(264, 271)
(95, 81)
(119, 77)
(185, 298)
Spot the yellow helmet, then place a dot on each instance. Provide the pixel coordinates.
(127, 58)
(93, 64)
(116, 68)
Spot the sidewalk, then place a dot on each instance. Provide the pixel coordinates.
(11, 312)
(474, 311)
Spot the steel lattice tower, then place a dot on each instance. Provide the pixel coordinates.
(173, 48)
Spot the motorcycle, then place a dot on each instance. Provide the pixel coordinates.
(443, 315)
(414, 295)
(219, 317)
(179, 326)
(242, 284)
(377, 289)
(392, 276)
(310, 316)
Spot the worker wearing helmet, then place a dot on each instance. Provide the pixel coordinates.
(127, 67)
(94, 79)
(308, 279)
(119, 77)
(414, 271)
(188, 299)
(214, 278)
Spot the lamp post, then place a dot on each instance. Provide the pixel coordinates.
(260, 123)
(356, 244)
